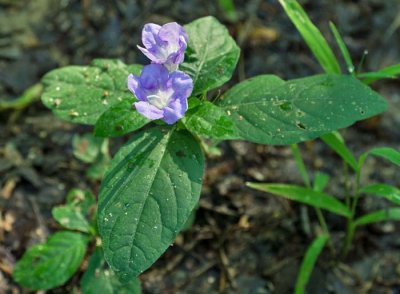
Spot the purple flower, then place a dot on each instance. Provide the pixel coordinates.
(164, 44)
(162, 95)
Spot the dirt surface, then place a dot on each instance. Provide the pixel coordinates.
(242, 241)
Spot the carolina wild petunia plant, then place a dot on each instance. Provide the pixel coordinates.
(168, 108)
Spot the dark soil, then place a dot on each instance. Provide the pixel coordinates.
(242, 241)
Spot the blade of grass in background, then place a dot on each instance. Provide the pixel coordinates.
(300, 164)
(308, 263)
(385, 152)
(388, 72)
(390, 214)
(229, 9)
(304, 195)
(311, 35)
(343, 48)
(383, 190)
(320, 181)
(336, 142)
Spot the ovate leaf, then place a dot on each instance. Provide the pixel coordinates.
(51, 264)
(75, 214)
(82, 93)
(120, 119)
(210, 120)
(267, 110)
(308, 263)
(383, 190)
(305, 196)
(86, 147)
(211, 56)
(147, 196)
(99, 278)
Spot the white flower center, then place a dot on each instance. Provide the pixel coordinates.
(167, 50)
(159, 99)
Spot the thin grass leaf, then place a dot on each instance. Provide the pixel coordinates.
(229, 9)
(388, 72)
(343, 48)
(387, 153)
(320, 181)
(305, 196)
(390, 214)
(336, 142)
(383, 190)
(300, 164)
(311, 35)
(308, 263)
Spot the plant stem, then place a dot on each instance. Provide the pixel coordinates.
(346, 184)
(306, 179)
(322, 221)
(350, 221)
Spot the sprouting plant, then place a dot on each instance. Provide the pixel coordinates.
(312, 193)
(94, 151)
(154, 181)
(51, 264)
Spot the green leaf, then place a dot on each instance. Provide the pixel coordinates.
(228, 7)
(211, 56)
(390, 214)
(75, 214)
(86, 147)
(267, 110)
(343, 48)
(320, 181)
(387, 153)
(147, 196)
(208, 119)
(311, 35)
(119, 120)
(388, 72)
(81, 94)
(97, 170)
(336, 142)
(51, 264)
(300, 164)
(383, 190)
(99, 278)
(308, 263)
(305, 196)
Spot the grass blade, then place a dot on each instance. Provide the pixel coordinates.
(335, 141)
(383, 190)
(305, 196)
(320, 181)
(308, 263)
(343, 48)
(388, 72)
(311, 35)
(387, 153)
(390, 214)
(300, 164)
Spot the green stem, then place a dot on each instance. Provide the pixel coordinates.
(306, 179)
(350, 221)
(346, 184)
(322, 221)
